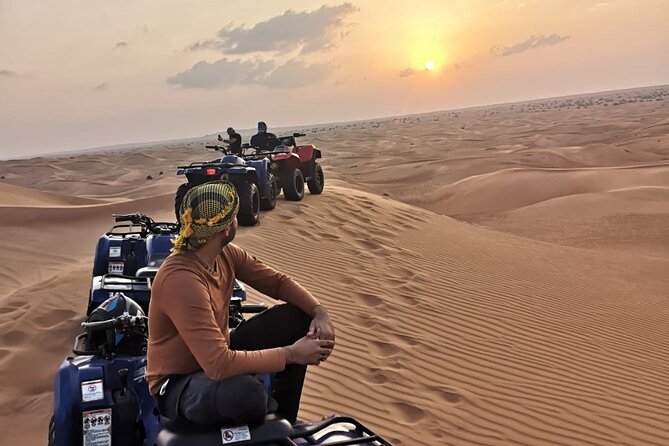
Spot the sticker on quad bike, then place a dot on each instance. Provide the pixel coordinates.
(115, 268)
(92, 390)
(235, 434)
(114, 251)
(97, 427)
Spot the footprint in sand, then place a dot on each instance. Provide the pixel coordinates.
(368, 300)
(366, 321)
(448, 394)
(406, 340)
(376, 375)
(406, 413)
(13, 337)
(372, 245)
(383, 349)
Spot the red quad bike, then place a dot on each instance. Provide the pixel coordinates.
(293, 165)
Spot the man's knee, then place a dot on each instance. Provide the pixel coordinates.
(297, 316)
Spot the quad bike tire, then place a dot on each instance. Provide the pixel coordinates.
(317, 182)
(293, 185)
(52, 431)
(179, 198)
(249, 204)
(269, 203)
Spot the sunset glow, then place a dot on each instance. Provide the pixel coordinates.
(348, 61)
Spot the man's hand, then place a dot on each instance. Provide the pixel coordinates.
(321, 327)
(308, 351)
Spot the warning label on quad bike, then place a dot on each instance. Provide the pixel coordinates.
(235, 434)
(97, 426)
(92, 390)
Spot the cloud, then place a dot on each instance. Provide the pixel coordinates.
(310, 31)
(8, 73)
(407, 73)
(121, 45)
(534, 41)
(102, 86)
(225, 73)
(295, 73)
(599, 6)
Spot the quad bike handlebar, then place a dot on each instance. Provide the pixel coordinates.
(146, 223)
(123, 321)
(218, 148)
(135, 218)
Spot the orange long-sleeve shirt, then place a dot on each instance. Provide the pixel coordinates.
(188, 316)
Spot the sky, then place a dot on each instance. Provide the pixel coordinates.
(78, 74)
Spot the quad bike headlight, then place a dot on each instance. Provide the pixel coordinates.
(273, 166)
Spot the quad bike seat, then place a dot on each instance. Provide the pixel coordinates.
(174, 433)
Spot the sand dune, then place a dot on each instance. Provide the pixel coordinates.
(25, 197)
(497, 275)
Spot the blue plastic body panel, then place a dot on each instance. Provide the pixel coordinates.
(69, 405)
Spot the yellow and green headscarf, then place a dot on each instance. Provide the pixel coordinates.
(206, 210)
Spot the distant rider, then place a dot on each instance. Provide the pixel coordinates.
(234, 141)
(263, 140)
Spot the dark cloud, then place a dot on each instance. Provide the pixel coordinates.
(8, 73)
(102, 86)
(309, 31)
(407, 73)
(226, 73)
(534, 41)
(120, 45)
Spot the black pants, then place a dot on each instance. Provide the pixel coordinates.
(243, 399)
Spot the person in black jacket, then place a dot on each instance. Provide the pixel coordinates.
(234, 141)
(263, 140)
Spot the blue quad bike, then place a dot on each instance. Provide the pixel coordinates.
(256, 185)
(101, 395)
(128, 256)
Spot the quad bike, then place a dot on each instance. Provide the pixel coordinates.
(128, 256)
(101, 396)
(255, 184)
(292, 165)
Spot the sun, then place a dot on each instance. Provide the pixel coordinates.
(429, 65)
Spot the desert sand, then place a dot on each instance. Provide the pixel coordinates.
(497, 275)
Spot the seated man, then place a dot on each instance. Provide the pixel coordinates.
(196, 368)
(263, 140)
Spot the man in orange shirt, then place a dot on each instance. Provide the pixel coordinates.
(197, 369)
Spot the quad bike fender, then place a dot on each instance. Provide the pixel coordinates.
(308, 152)
(283, 161)
(261, 167)
(107, 387)
(249, 175)
(73, 374)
